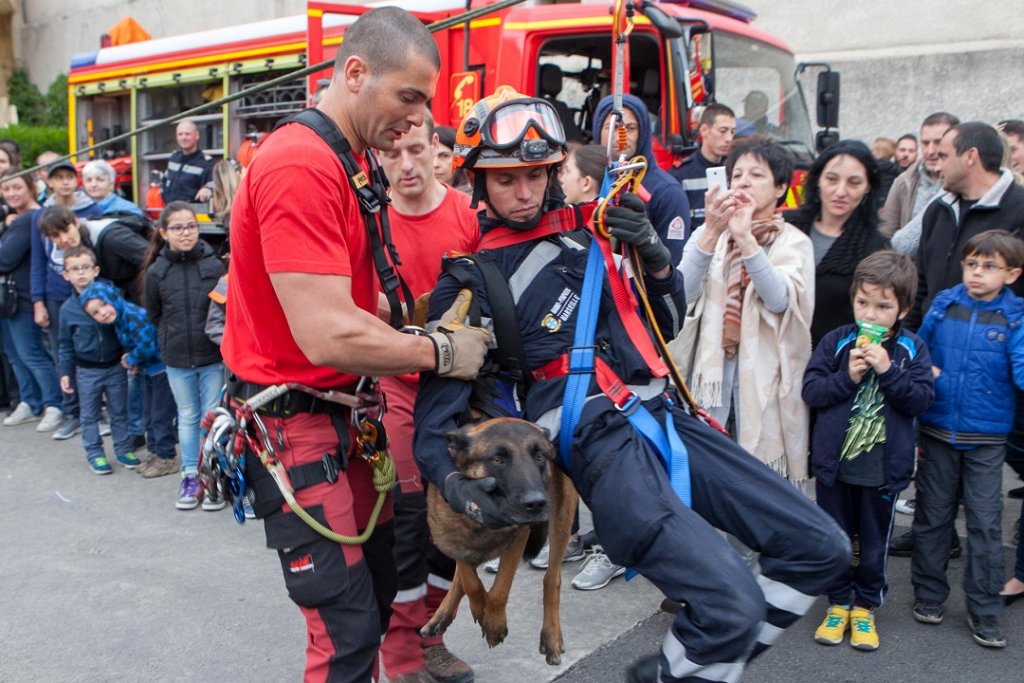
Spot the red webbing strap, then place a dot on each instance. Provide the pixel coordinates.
(626, 305)
(617, 391)
(552, 223)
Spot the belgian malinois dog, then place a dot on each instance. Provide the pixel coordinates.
(538, 501)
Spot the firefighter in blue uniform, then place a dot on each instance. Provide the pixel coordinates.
(512, 146)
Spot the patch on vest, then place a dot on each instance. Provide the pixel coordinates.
(562, 309)
(677, 229)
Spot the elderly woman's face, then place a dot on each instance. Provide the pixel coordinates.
(752, 175)
(97, 186)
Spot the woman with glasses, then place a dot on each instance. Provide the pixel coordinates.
(183, 271)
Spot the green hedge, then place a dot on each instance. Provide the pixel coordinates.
(34, 140)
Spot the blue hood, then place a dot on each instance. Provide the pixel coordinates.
(668, 209)
(105, 292)
(639, 109)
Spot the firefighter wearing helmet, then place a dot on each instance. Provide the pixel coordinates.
(508, 130)
(528, 282)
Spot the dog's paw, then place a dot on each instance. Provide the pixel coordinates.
(494, 630)
(551, 647)
(436, 626)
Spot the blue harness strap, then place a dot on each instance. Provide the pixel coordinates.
(665, 440)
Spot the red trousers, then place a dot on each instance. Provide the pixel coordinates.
(343, 591)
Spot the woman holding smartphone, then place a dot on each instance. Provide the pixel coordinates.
(754, 276)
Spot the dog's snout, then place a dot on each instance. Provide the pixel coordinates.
(534, 502)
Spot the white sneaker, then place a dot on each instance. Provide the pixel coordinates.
(52, 417)
(597, 572)
(491, 566)
(21, 415)
(906, 506)
(104, 428)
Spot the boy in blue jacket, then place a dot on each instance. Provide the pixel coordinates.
(104, 303)
(866, 392)
(974, 331)
(90, 354)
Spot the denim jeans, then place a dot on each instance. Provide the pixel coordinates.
(160, 414)
(95, 384)
(137, 404)
(70, 401)
(196, 391)
(33, 367)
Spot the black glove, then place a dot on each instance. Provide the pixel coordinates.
(628, 222)
(472, 497)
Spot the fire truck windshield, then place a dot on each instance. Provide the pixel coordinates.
(757, 81)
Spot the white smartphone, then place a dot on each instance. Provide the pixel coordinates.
(716, 176)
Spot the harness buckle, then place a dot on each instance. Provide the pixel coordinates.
(330, 468)
(629, 406)
(581, 359)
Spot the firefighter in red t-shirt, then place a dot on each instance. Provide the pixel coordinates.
(428, 220)
(301, 309)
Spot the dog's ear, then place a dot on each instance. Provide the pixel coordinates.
(544, 430)
(458, 441)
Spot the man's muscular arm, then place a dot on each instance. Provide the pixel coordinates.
(332, 331)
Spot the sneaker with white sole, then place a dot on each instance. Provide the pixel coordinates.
(573, 553)
(906, 507)
(247, 508)
(491, 566)
(68, 428)
(213, 500)
(597, 572)
(52, 417)
(104, 427)
(20, 415)
(188, 493)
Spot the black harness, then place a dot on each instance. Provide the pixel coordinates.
(373, 204)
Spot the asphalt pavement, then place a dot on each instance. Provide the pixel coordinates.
(102, 579)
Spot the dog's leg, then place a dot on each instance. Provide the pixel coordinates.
(445, 613)
(475, 590)
(563, 506)
(495, 622)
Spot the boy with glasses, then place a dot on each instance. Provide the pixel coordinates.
(92, 353)
(976, 340)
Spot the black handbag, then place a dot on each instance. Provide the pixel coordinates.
(8, 297)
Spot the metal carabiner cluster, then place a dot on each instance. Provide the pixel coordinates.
(222, 458)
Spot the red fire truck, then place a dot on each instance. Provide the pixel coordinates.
(681, 55)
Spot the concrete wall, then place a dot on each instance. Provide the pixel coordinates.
(899, 60)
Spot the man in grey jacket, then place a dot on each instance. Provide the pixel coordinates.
(920, 183)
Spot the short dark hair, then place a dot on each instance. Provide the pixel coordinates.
(446, 136)
(375, 36)
(907, 136)
(55, 220)
(997, 242)
(772, 154)
(1012, 127)
(983, 138)
(940, 117)
(713, 111)
(889, 270)
(591, 160)
(80, 250)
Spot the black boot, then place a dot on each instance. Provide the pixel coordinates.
(644, 670)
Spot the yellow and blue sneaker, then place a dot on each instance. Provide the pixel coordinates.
(833, 626)
(863, 635)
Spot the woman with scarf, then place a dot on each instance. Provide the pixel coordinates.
(755, 273)
(840, 215)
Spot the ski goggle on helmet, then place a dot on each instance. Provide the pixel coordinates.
(509, 130)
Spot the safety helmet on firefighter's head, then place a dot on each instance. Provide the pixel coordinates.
(509, 130)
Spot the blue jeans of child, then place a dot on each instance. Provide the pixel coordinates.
(33, 367)
(137, 404)
(160, 414)
(70, 401)
(93, 385)
(196, 391)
